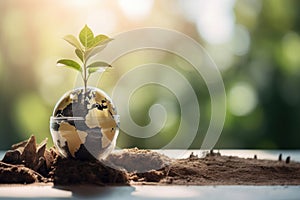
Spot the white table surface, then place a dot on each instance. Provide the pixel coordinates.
(42, 191)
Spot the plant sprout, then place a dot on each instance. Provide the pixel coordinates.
(88, 47)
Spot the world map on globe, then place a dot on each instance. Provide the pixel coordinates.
(84, 125)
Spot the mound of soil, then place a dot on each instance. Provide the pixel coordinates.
(71, 171)
(28, 162)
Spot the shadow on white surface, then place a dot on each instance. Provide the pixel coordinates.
(96, 192)
(152, 192)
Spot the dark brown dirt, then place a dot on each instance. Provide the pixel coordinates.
(225, 170)
(18, 174)
(134, 166)
(71, 171)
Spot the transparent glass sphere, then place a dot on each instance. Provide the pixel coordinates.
(84, 125)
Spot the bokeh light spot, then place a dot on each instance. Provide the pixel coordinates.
(242, 99)
(136, 9)
(216, 20)
(102, 21)
(240, 41)
(290, 52)
(222, 56)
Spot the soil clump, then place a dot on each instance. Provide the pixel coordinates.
(28, 162)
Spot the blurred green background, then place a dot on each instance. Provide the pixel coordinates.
(255, 44)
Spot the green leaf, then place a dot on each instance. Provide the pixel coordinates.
(93, 51)
(101, 40)
(96, 69)
(86, 37)
(69, 63)
(73, 41)
(99, 64)
(79, 54)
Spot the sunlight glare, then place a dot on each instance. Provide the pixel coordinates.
(136, 9)
(214, 19)
(102, 21)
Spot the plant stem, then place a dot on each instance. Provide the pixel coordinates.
(84, 76)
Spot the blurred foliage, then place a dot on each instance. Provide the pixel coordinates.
(260, 65)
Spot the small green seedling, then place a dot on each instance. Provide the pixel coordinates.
(88, 47)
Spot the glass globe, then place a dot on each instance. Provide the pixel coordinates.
(84, 125)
